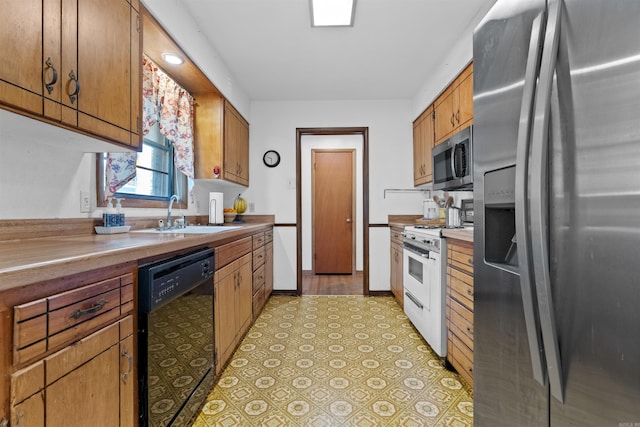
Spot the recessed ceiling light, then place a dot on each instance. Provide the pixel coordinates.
(332, 13)
(172, 58)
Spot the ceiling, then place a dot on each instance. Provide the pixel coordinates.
(274, 54)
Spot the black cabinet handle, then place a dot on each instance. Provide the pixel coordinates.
(79, 313)
(54, 78)
(74, 96)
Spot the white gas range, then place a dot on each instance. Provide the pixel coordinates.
(424, 278)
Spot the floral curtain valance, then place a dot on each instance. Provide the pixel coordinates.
(166, 102)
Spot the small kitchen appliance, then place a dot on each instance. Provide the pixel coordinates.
(216, 208)
(466, 211)
(429, 210)
(453, 162)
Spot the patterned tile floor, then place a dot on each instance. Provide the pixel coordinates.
(336, 361)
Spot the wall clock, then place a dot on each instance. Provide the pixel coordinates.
(271, 158)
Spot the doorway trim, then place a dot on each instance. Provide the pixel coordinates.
(364, 132)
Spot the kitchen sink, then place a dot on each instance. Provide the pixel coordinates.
(190, 229)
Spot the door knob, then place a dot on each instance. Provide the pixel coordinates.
(348, 219)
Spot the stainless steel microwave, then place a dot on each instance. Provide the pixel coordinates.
(453, 162)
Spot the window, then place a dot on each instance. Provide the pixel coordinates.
(156, 176)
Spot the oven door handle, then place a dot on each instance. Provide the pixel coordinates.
(414, 300)
(413, 251)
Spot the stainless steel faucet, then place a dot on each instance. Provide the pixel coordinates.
(173, 198)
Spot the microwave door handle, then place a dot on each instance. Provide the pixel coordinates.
(454, 171)
(523, 239)
(539, 202)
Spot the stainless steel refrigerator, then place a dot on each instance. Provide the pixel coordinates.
(557, 214)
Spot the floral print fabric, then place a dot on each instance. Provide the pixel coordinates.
(165, 101)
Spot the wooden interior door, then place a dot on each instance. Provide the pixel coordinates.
(333, 211)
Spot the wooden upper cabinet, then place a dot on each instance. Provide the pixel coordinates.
(21, 69)
(423, 137)
(236, 146)
(221, 140)
(108, 102)
(74, 63)
(454, 107)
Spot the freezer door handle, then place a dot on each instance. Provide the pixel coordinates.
(523, 238)
(539, 201)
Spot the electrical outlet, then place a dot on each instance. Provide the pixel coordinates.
(85, 203)
(252, 207)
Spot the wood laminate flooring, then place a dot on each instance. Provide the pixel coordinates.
(331, 284)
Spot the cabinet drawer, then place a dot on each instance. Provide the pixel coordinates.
(460, 322)
(396, 235)
(258, 257)
(232, 251)
(460, 287)
(258, 279)
(461, 257)
(51, 322)
(259, 299)
(268, 236)
(461, 357)
(258, 240)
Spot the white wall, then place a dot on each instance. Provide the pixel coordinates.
(310, 142)
(273, 126)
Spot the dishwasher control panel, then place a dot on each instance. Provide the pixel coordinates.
(163, 281)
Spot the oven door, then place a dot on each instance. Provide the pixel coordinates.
(424, 302)
(416, 275)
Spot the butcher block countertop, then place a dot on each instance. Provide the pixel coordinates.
(465, 234)
(26, 261)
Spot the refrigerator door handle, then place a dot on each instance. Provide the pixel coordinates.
(522, 203)
(539, 201)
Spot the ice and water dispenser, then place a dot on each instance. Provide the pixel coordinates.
(500, 221)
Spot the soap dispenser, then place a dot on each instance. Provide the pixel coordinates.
(109, 217)
(119, 213)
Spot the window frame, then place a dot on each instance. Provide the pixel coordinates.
(139, 200)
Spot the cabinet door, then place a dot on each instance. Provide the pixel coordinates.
(418, 155)
(236, 146)
(464, 111)
(244, 295)
(21, 70)
(104, 70)
(268, 269)
(224, 314)
(444, 118)
(87, 395)
(422, 146)
(128, 383)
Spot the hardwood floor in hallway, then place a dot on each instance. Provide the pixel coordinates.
(336, 361)
(331, 284)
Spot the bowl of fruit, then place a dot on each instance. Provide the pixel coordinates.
(229, 214)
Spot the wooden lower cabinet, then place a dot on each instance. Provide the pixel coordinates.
(91, 382)
(397, 287)
(460, 307)
(69, 350)
(262, 270)
(233, 302)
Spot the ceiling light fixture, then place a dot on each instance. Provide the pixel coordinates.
(332, 13)
(172, 58)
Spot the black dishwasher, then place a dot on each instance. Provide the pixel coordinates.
(175, 338)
